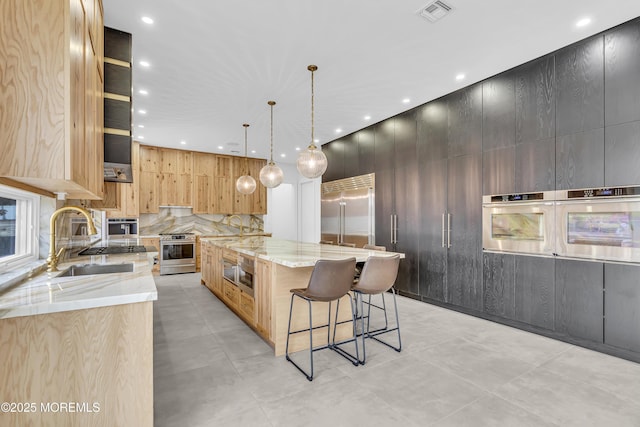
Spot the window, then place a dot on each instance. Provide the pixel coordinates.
(19, 224)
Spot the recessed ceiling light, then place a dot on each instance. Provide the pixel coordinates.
(283, 155)
(147, 20)
(338, 130)
(183, 142)
(220, 147)
(144, 63)
(316, 140)
(141, 137)
(253, 151)
(367, 118)
(583, 22)
(141, 126)
(406, 101)
(142, 111)
(460, 76)
(143, 92)
(297, 148)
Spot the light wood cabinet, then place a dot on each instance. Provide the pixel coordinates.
(52, 132)
(204, 181)
(262, 295)
(155, 242)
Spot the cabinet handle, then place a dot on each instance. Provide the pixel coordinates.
(391, 228)
(442, 229)
(448, 230)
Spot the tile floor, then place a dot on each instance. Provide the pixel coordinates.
(210, 369)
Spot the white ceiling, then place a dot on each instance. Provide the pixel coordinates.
(215, 64)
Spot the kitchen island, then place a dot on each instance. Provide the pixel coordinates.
(278, 266)
(78, 350)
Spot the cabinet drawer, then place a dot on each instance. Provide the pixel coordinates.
(246, 305)
(231, 294)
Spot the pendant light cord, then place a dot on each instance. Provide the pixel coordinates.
(271, 103)
(312, 146)
(246, 161)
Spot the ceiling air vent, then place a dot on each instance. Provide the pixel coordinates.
(435, 10)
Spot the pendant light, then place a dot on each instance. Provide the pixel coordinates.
(271, 175)
(312, 162)
(246, 184)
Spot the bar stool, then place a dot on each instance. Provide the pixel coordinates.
(378, 276)
(330, 281)
(359, 265)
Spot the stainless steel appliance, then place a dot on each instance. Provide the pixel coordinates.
(122, 228)
(599, 224)
(518, 223)
(348, 211)
(177, 253)
(240, 272)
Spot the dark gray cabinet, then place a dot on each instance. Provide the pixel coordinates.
(366, 151)
(580, 87)
(351, 155)
(335, 160)
(580, 160)
(499, 277)
(432, 128)
(621, 75)
(622, 154)
(535, 101)
(384, 151)
(579, 299)
(535, 291)
(622, 306)
(498, 112)
(407, 198)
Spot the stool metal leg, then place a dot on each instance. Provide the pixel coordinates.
(308, 376)
(335, 346)
(374, 334)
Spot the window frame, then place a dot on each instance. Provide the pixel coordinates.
(27, 228)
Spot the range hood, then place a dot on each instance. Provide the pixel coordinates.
(117, 106)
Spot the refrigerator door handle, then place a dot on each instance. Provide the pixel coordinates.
(341, 225)
(443, 229)
(448, 230)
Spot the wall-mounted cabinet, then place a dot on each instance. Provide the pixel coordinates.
(204, 181)
(56, 76)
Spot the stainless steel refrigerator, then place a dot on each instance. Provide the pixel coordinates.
(348, 213)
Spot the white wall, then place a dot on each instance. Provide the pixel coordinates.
(293, 208)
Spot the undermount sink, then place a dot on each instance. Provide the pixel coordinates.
(87, 269)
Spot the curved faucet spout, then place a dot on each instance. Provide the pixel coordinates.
(54, 256)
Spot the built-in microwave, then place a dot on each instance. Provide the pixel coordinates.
(240, 272)
(519, 223)
(599, 224)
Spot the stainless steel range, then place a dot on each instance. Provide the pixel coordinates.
(177, 253)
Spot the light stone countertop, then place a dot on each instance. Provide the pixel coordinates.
(294, 254)
(45, 293)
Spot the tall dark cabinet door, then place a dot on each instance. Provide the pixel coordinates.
(406, 201)
(335, 160)
(366, 151)
(351, 155)
(432, 158)
(464, 264)
(535, 291)
(385, 181)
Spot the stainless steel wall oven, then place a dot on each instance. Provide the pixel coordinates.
(519, 223)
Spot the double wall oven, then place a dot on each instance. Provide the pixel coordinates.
(599, 224)
(177, 253)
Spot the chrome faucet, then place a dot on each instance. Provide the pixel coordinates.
(53, 258)
(230, 222)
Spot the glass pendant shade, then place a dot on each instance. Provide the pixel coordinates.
(246, 184)
(271, 175)
(312, 162)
